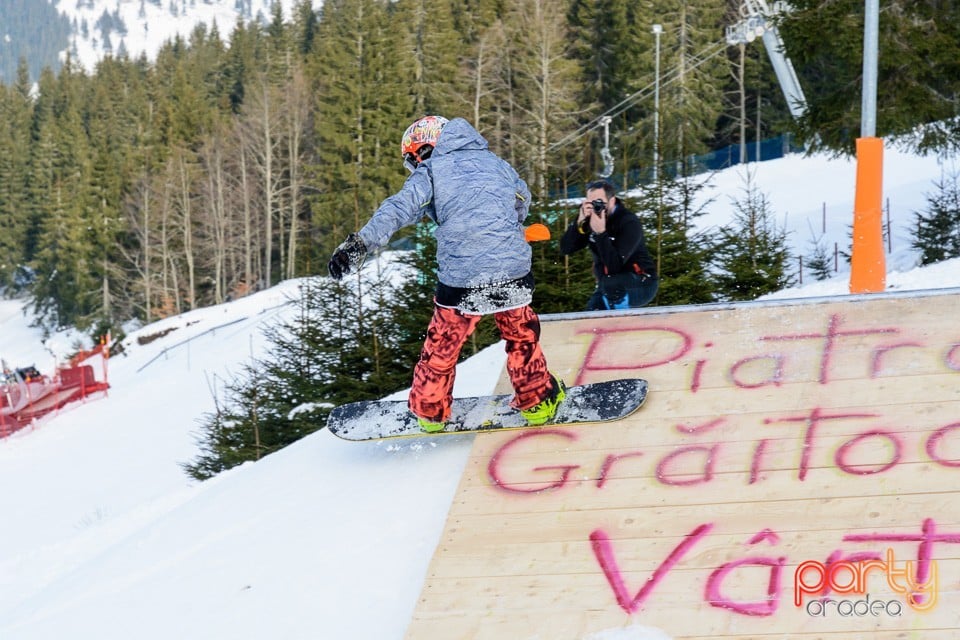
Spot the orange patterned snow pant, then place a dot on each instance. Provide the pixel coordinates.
(432, 391)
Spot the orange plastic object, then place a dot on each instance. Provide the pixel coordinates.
(536, 232)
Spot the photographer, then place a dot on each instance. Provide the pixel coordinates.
(626, 274)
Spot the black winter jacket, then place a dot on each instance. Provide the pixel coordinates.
(621, 248)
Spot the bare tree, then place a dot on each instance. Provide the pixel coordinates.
(483, 68)
(261, 126)
(216, 214)
(183, 206)
(170, 280)
(544, 83)
(154, 215)
(139, 211)
(296, 118)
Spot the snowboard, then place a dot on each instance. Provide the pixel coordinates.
(381, 419)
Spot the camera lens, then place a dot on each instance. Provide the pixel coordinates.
(599, 206)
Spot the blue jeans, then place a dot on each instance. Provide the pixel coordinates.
(623, 291)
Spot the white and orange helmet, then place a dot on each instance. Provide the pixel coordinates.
(419, 140)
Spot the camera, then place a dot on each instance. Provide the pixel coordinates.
(599, 206)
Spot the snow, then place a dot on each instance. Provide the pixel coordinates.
(161, 21)
(813, 198)
(633, 632)
(104, 535)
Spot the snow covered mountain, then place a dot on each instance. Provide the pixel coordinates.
(107, 27)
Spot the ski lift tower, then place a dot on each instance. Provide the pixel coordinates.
(758, 21)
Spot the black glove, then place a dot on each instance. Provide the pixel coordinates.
(348, 256)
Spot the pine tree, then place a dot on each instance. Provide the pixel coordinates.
(472, 17)
(305, 21)
(111, 128)
(239, 63)
(16, 242)
(682, 253)
(564, 282)
(361, 111)
(819, 261)
(329, 353)
(603, 40)
(430, 48)
(602, 34)
(187, 102)
(70, 289)
(918, 71)
(752, 253)
(937, 235)
(239, 429)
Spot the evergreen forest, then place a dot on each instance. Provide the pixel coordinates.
(147, 188)
(34, 31)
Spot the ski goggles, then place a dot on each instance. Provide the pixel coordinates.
(411, 162)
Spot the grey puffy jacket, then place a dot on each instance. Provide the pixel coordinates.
(478, 202)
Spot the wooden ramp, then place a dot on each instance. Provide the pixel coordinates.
(798, 449)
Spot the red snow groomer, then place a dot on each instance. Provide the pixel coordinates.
(26, 395)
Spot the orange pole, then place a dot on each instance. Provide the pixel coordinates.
(868, 272)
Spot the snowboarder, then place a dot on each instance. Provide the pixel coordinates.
(479, 204)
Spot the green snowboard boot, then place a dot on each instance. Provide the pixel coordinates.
(430, 427)
(547, 408)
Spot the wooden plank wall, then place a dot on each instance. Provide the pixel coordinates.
(823, 432)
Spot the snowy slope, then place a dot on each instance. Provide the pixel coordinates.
(142, 26)
(104, 536)
(813, 198)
